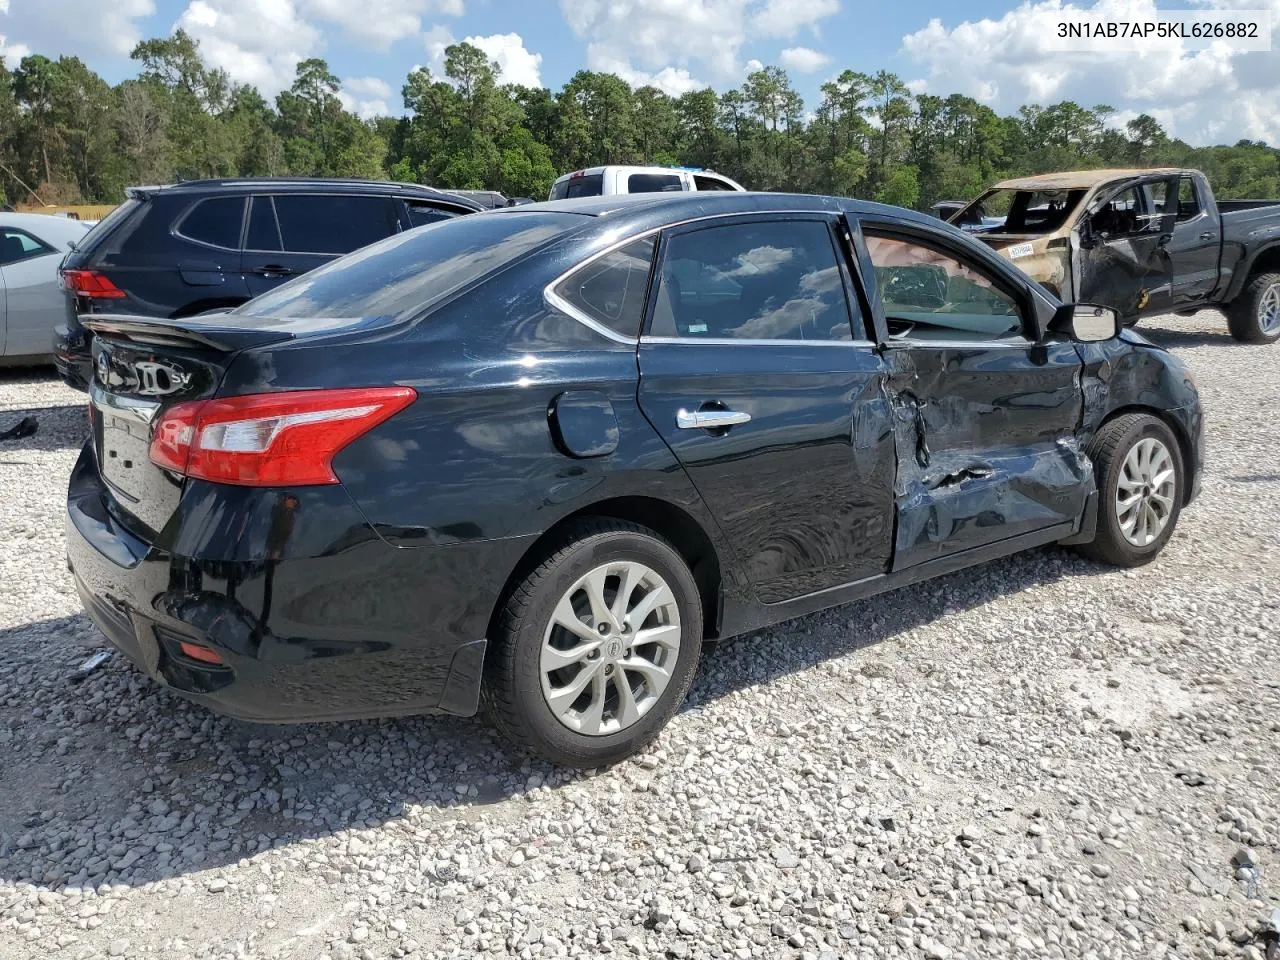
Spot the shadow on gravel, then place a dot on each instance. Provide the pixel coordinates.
(1172, 338)
(114, 779)
(60, 427)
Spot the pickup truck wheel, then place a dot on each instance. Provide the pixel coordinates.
(1254, 316)
(595, 649)
(1138, 466)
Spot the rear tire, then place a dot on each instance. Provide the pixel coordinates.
(572, 675)
(1140, 477)
(1254, 315)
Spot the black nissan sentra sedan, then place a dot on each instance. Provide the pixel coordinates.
(531, 459)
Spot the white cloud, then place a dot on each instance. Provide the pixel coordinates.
(803, 59)
(366, 97)
(672, 81)
(515, 63)
(784, 18)
(378, 24)
(85, 28)
(435, 41)
(676, 39)
(1204, 96)
(255, 41)
(753, 65)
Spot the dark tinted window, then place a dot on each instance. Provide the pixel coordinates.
(263, 233)
(1188, 202)
(421, 214)
(653, 183)
(403, 274)
(589, 186)
(758, 281)
(215, 221)
(332, 224)
(107, 224)
(611, 289)
(16, 245)
(710, 183)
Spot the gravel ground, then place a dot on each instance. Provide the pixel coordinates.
(1037, 758)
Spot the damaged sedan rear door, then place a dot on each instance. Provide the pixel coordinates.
(986, 414)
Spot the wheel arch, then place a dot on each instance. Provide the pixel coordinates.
(1185, 447)
(685, 534)
(1266, 260)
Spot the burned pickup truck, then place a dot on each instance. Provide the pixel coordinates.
(1143, 241)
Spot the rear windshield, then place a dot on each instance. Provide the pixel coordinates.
(107, 224)
(1021, 211)
(401, 275)
(591, 185)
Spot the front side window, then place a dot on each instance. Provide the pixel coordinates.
(16, 245)
(611, 288)
(929, 294)
(215, 221)
(420, 214)
(1128, 214)
(332, 224)
(654, 183)
(754, 281)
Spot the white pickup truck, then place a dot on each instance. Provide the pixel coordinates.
(607, 181)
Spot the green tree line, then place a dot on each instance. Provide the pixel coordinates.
(67, 136)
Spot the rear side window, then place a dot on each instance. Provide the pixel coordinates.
(331, 223)
(215, 221)
(588, 186)
(710, 183)
(264, 232)
(610, 289)
(420, 214)
(754, 281)
(406, 273)
(653, 183)
(1188, 202)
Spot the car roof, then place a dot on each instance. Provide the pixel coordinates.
(657, 209)
(305, 185)
(45, 225)
(639, 168)
(1081, 179)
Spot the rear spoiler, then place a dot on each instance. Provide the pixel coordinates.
(190, 332)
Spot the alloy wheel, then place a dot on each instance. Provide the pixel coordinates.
(1145, 492)
(610, 648)
(1269, 309)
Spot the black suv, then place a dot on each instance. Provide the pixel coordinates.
(188, 248)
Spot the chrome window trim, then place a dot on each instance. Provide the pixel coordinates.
(962, 344)
(553, 299)
(735, 341)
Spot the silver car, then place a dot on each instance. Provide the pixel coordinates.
(31, 301)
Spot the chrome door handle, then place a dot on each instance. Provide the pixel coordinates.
(1208, 235)
(709, 419)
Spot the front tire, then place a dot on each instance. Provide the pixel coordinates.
(1140, 477)
(595, 649)
(1254, 316)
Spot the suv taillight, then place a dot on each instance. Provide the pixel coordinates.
(90, 283)
(270, 439)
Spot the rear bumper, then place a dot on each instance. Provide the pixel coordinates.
(364, 631)
(72, 357)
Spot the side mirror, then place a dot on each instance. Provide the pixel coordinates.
(1086, 322)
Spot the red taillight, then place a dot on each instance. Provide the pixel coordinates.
(198, 652)
(90, 283)
(270, 439)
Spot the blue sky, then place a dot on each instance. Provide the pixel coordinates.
(991, 49)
